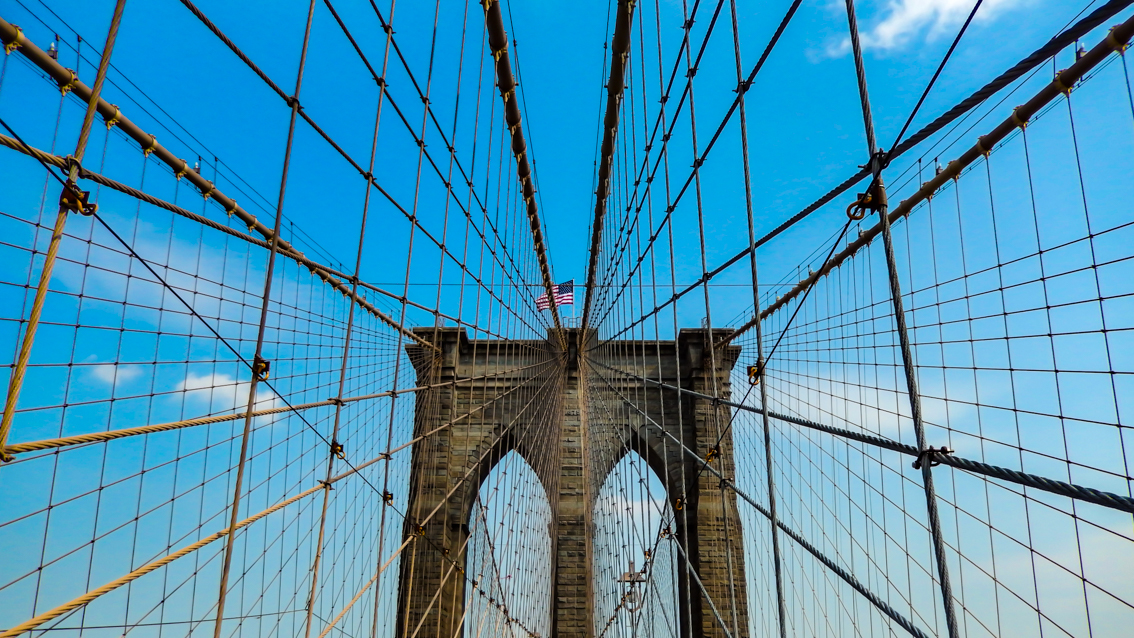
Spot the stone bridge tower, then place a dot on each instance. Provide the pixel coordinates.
(548, 388)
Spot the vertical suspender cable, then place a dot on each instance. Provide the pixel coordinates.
(257, 365)
(57, 234)
(762, 378)
(878, 191)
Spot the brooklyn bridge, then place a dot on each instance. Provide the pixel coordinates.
(445, 319)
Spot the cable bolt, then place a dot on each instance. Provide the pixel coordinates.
(261, 367)
(113, 119)
(65, 87)
(930, 454)
(73, 198)
(15, 43)
(754, 372)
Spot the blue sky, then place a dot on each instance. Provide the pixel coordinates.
(805, 126)
(805, 134)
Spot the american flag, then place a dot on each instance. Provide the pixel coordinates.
(564, 296)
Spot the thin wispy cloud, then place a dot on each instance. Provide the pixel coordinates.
(905, 23)
(113, 374)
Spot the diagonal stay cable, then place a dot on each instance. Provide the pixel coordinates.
(884, 158)
(741, 89)
(1037, 57)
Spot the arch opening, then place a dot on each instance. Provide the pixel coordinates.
(635, 566)
(509, 554)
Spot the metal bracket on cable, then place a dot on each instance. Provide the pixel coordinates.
(337, 450)
(261, 367)
(73, 198)
(930, 454)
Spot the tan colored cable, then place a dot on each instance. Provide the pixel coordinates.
(98, 437)
(1064, 82)
(12, 35)
(149, 144)
(331, 625)
(145, 569)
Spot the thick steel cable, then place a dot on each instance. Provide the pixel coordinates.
(16, 383)
(1061, 488)
(616, 84)
(149, 145)
(498, 45)
(1118, 37)
(346, 156)
(245, 439)
(848, 577)
(878, 191)
(1066, 37)
(743, 85)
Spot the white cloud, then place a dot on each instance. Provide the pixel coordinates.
(222, 392)
(904, 21)
(114, 374)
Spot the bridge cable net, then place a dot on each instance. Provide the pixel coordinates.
(215, 424)
(819, 467)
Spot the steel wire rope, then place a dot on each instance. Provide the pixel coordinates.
(195, 314)
(384, 88)
(690, 73)
(409, 215)
(1057, 42)
(742, 87)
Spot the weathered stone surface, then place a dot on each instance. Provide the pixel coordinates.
(543, 416)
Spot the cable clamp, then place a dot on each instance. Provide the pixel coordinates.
(1058, 82)
(326, 484)
(930, 455)
(1113, 41)
(15, 43)
(230, 211)
(679, 504)
(74, 199)
(335, 401)
(691, 72)
(293, 102)
(113, 120)
(387, 497)
(261, 367)
(252, 224)
(713, 453)
(420, 530)
(150, 149)
(754, 373)
(1017, 120)
(208, 193)
(65, 87)
(337, 450)
(981, 147)
(184, 170)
